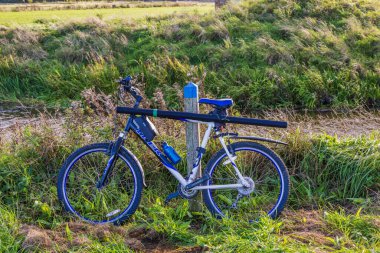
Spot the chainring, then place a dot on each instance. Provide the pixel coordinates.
(186, 194)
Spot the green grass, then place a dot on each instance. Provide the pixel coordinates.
(331, 169)
(327, 174)
(324, 169)
(8, 230)
(92, 5)
(29, 17)
(263, 54)
(357, 227)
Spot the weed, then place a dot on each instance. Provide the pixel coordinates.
(332, 169)
(322, 174)
(263, 54)
(355, 227)
(9, 242)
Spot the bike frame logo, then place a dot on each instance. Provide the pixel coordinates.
(150, 143)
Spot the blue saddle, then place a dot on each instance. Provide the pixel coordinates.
(223, 103)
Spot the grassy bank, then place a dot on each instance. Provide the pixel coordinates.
(325, 170)
(263, 54)
(333, 202)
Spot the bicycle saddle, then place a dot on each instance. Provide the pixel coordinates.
(219, 103)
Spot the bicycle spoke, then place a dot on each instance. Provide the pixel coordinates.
(248, 204)
(91, 202)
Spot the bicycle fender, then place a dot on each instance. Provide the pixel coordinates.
(255, 138)
(137, 162)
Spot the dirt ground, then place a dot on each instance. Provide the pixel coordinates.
(308, 227)
(77, 234)
(343, 124)
(305, 226)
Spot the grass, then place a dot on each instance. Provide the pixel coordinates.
(8, 229)
(90, 5)
(263, 54)
(327, 174)
(335, 232)
(351, 226)
(334, 169)
(28, 17)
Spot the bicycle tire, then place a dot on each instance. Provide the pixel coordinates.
(125, 157)
(209, 196)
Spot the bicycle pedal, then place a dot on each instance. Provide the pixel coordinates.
(171, 196)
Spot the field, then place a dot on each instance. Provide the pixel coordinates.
(315, 64)
(16, 7)
(57, 16)
(259, 49)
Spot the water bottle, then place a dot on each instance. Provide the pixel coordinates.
(171, 153)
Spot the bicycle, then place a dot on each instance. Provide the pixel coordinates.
(103, 182)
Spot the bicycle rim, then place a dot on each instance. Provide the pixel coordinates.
(262, 199)
(85, 200)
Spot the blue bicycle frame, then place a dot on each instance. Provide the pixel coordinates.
(190, 183)
(209, 120)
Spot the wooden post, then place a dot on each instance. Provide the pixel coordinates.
(192, 137)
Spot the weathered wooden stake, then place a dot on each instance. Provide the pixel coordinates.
(192, 137)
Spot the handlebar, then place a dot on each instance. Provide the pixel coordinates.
(127, 86)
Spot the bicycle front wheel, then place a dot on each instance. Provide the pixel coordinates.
(266, 174)
(113, 203)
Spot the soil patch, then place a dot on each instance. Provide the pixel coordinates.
(351, 123)
(308, 226)
(74, 235)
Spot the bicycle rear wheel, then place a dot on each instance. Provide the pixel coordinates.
(261, 168)
(113, 203)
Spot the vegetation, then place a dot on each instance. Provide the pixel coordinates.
(56, 1)
(327, 174)
(91, 5)
(288, 53)
(264, 54)
(332, 169)
(57, 16)
(8, 227)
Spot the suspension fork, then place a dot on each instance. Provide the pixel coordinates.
(114, 155)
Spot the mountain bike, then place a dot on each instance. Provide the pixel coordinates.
(103, 182)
